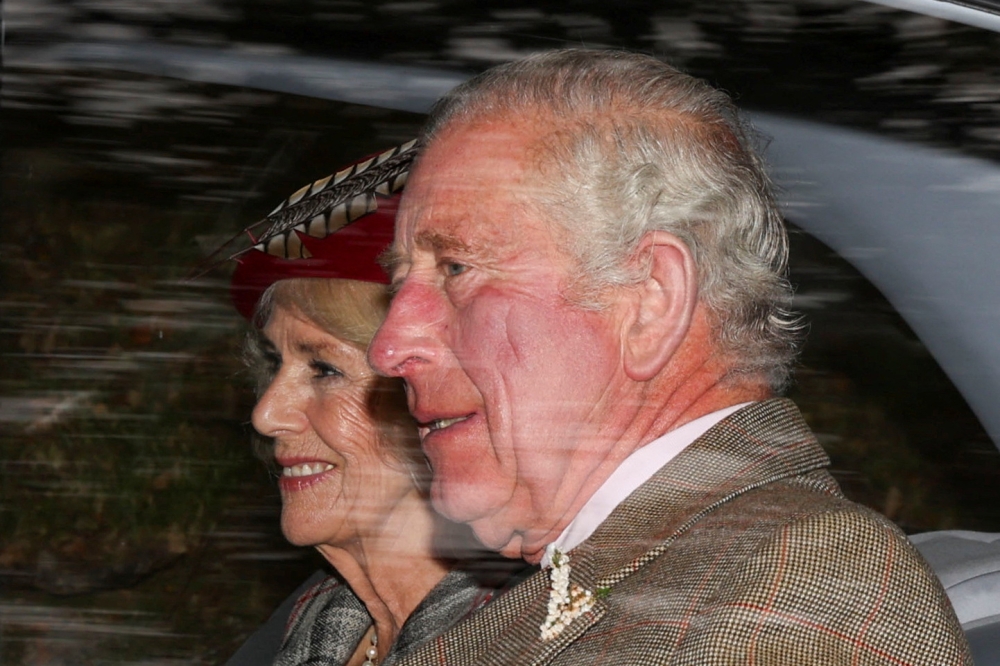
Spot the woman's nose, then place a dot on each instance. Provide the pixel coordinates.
(279, 410)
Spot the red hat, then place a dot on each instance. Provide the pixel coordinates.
(334, 228)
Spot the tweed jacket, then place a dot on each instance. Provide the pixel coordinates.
(741, 550)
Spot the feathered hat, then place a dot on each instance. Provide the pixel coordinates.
(334, 228)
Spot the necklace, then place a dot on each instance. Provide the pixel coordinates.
(372, 652)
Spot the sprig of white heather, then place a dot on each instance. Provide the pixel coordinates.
(566, 602)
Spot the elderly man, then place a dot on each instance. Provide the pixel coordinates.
(591, 317)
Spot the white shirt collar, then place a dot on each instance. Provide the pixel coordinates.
(634, 471)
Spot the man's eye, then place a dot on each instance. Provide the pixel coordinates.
(323, 369)
(451, 269)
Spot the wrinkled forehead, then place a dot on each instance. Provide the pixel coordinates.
(475, 160)
(475, 183)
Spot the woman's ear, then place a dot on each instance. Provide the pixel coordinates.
(663, 304)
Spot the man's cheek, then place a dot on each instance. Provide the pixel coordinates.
(485, 324)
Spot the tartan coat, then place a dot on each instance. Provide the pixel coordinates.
(741, 550)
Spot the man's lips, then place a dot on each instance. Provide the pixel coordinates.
(434, 425)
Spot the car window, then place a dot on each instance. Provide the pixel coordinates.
(901, 437)
(135, 524)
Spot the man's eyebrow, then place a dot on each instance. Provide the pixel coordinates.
(439, 242)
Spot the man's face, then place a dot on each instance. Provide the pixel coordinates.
(511, 383)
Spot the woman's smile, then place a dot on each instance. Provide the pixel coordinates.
(302, 475)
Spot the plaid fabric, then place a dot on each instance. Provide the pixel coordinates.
(329, 621)
(741, 550)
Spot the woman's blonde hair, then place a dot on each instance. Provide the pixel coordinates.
(351, 311)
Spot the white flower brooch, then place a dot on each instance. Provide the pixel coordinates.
(566, 602)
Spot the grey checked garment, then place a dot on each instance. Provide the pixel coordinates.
(741, 550)
(328, 621)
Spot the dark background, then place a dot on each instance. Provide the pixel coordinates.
(135, 526)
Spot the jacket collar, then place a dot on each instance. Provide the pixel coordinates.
(761, 443)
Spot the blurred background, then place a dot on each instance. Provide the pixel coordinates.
(135, 525)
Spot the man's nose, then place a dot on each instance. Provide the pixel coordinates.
(279, 411)
(408, 338)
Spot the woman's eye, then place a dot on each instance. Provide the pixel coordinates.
(451, 269)
(323, 369)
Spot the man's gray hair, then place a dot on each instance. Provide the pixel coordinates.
(641, 146)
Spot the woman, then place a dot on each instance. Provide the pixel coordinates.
(351, 473)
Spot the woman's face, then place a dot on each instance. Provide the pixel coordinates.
(337, 484)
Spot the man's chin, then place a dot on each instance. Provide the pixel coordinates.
(502, 541)
(508, 542)
(452, 504)
(456, 509)
(464, 504)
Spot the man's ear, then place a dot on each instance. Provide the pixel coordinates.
(662, 307)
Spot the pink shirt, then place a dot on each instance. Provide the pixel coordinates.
(632, 473)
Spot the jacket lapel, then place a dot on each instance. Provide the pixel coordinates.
(762, 443)
(759, 444)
